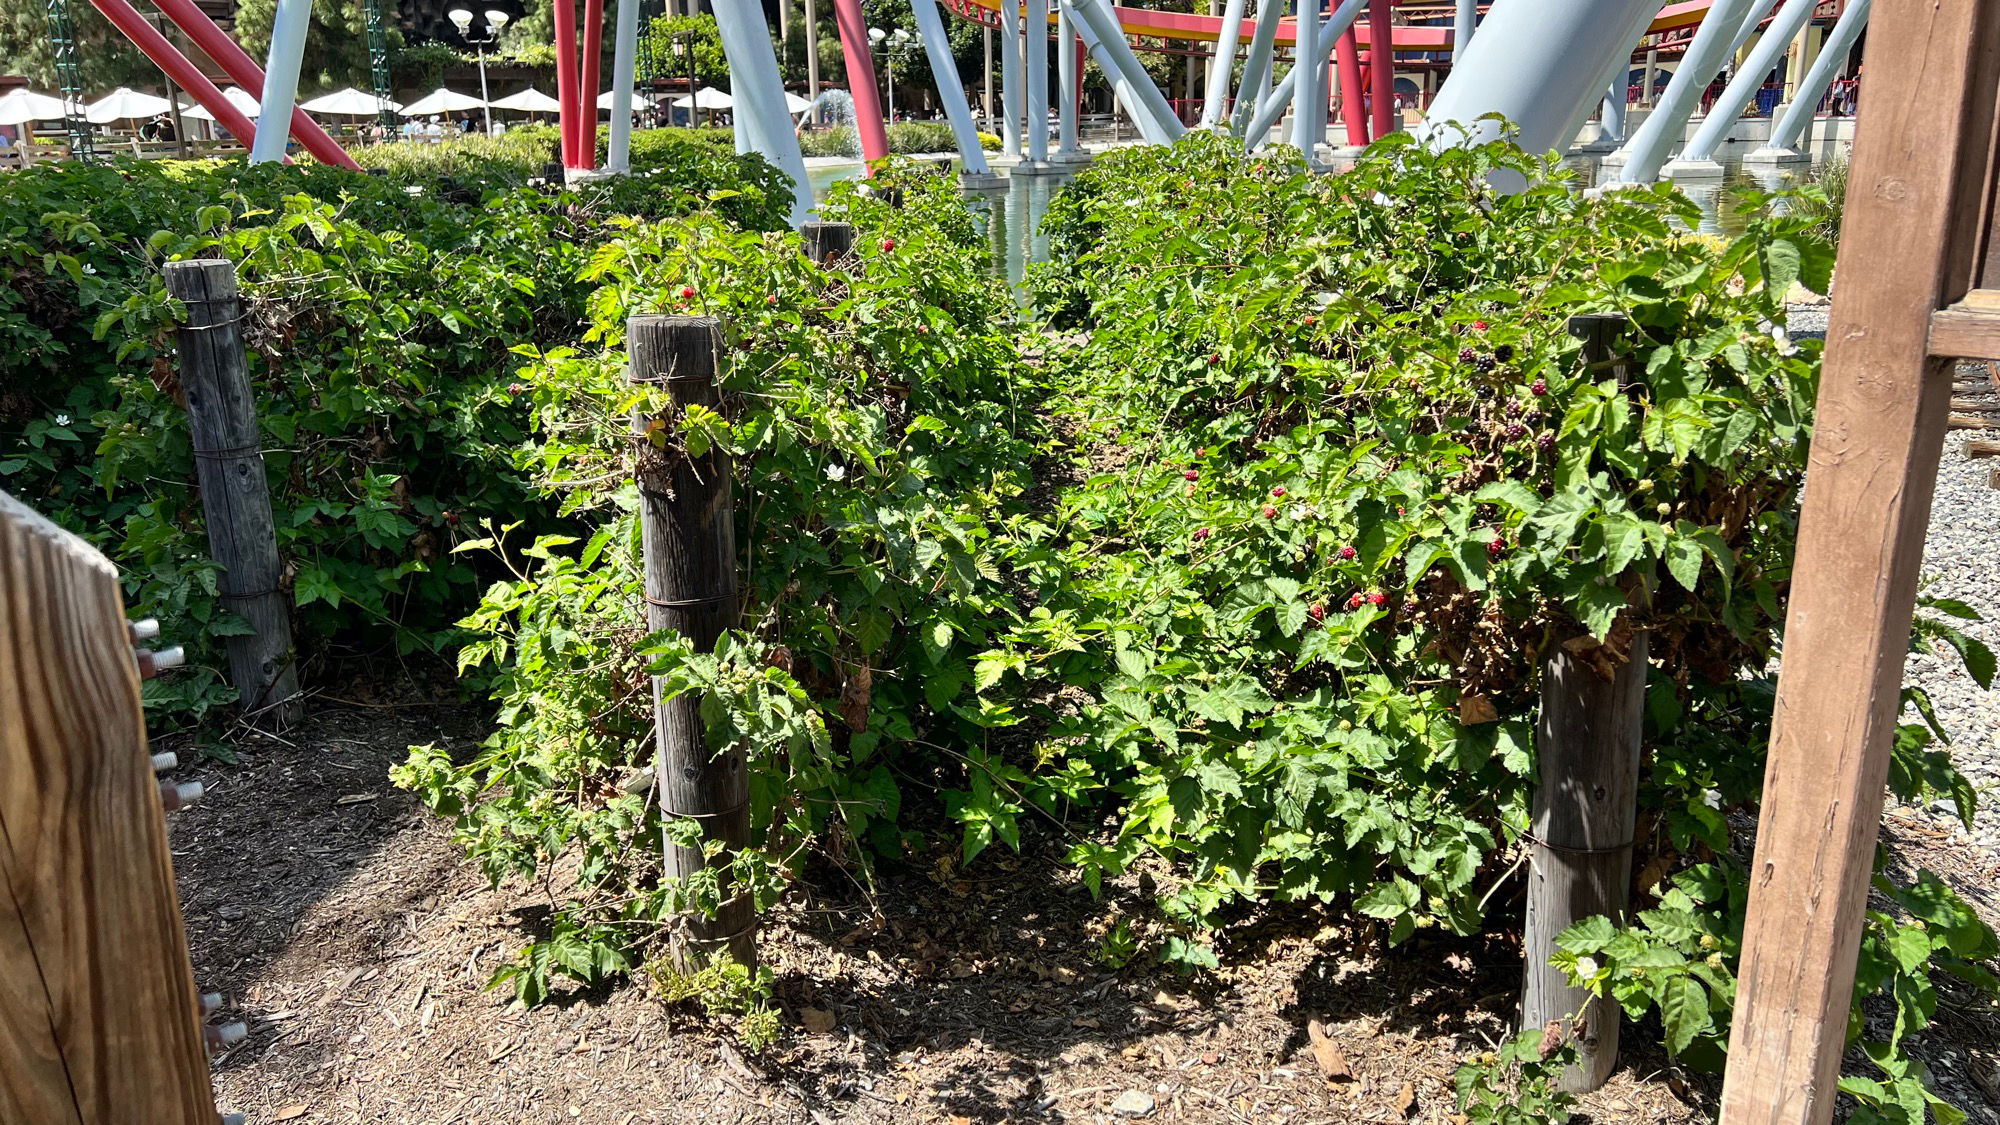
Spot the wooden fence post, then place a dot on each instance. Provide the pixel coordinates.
(235, 497)
(98, 1011)
(689, 541)
(827, 243)
(1921, 181)
(1585, 812)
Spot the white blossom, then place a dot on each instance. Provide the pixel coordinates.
(836, 472)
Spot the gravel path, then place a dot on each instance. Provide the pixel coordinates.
(1961, 561)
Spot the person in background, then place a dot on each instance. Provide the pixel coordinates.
(434, 132)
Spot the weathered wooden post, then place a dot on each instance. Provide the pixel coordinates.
(689, 541)
(827, 243)
(1585, 812)
(235, 498)
(98, 1008)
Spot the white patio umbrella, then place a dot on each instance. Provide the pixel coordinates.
(796, 103)
(348, 103)
(441, 100)
(639, 100)
(529, 100)
(18, 107)
(708, 97)
(244, 101)
(124, 104)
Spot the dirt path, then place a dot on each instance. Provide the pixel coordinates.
(342, 925)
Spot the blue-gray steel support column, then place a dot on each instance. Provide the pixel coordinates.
(1223, 67)
(1309, 89)
(1463, 27)
(624, 75)
(1036, 28)
(1748, 27)
(1136, 92)
(1067, 86)
(1698, 158)
(1647, 150)
(937, 48)
(281, 81)
(1783, 146)
(1537, 63)
(1010, 77)
(1330, 32)
(1617, 67)
(1257, 69)
(763, 123)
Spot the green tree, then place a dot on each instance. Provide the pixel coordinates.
(664, 39)
(336, 40)
(108, 59)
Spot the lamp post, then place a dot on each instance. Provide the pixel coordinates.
(684, 46)
(888, 43)
(496, 21)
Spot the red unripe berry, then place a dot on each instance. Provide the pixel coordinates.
(1498, 545)
(770, 298)
(1278, 491)
(1479, 326)
(1192, 474)
(1270, 513)
(888, 244)
(1399, 509)
(1539, 387)
(1316, 612)
(1213, 359)
(1202, 452)
(1354, 602)
(1377, 598)
(451, 518)
(687, 292)
(1202, 533)
(1347, 552)
(515, 388)
(1311, 320)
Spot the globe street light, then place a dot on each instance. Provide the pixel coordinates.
(496, 21)
(902, 38)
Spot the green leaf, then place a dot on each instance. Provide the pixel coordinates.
(1683, 1012)
(1228, 701)
(1684, 561)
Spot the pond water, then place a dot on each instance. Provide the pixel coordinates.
(1013, 211)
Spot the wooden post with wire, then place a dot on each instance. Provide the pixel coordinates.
(1916, 240)
(828, 243)
(1585, 808)
(99, 1020)
(688, 537)
(235, 497)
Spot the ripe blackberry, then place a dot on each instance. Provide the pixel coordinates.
(1546, 443)
(1504, 352)
(1513, 408)
(1485, 364)
(1466, 355)
(1516, 431)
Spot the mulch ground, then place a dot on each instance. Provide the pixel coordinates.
(343, 926)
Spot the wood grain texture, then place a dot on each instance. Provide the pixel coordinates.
(827, 243)
(99, 1019)
(1921, 160)
(1964, 331)
(688, 536)
(235, 495)
(1580, 863)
